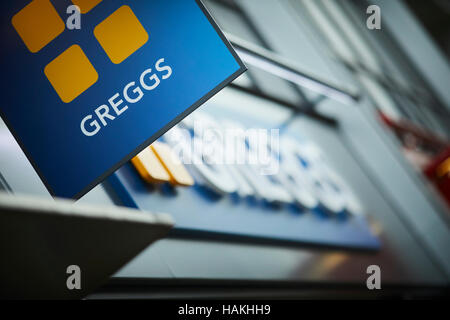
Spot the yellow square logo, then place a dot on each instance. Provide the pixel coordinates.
(38, 24)
(86, 5)
(71, 73)
(121, 34)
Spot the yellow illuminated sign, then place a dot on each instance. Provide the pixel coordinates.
(176, 170)
(149, 167)
(158, 163)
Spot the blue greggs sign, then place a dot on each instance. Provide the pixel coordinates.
(82, 102)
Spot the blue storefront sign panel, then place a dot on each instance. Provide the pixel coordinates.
(84, 95)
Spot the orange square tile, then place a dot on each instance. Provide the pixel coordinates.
(121, 34)
(71, 73)
(38, 24)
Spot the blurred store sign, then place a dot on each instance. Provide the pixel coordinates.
(230, 158)
(226, 173)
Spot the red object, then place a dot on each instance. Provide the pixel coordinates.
(426, 150)
(425, 137)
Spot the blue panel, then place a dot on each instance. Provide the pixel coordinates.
(69, 162)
